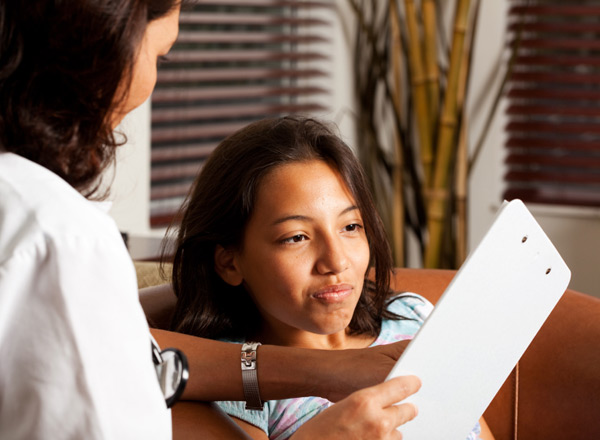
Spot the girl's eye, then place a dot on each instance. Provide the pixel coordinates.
(353, 227)
(294, 239)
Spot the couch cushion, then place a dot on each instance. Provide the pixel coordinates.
(149, 274)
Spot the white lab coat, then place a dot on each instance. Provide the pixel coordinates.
(75, 359)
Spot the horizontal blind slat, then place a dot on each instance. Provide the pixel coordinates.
(265, 3)
(551, 143)
(232, 93)
(554, 26)
(555, 9)
(160, 135)
(231, 111)
(552, 177)
(180, 152)
(177, 171)
(248, 19)
(548, 61)
(213, 56)
(557, 43)
(549, 127)
(566, 108)
(159, 192)
(159, 220)
(248, 38)
(554, 196)
(236, 75)
(562, 160)
(536, 78)
(550, 93)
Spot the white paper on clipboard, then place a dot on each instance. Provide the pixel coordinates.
(482, 325)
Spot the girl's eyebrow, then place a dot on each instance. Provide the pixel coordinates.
(291, 217)
(307, 218)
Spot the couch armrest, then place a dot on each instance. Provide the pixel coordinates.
(158, 303)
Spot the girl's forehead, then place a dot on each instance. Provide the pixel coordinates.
(302, 188)
(300, 174)
(304, 169)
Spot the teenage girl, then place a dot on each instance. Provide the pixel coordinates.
(278, 240)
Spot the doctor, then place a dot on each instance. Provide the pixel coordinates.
(75, 350)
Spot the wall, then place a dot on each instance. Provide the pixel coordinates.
(131, 185)
(575, 232)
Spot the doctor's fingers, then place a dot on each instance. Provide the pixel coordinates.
(395, 416)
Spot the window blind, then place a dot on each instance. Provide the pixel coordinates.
(553, 142)
(234, 62)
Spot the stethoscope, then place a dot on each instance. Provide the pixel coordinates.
(171, 370)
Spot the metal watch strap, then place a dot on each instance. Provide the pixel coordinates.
(249, 376)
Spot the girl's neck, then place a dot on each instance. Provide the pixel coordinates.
(337, 341)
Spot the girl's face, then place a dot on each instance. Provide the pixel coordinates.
(158, 38)
(304, 255)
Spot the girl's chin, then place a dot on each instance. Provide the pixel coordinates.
(331, 328)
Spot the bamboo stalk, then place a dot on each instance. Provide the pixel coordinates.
(432, 72)
(461, 195)
(419, 88)
(461, 171)
(462, 155)
(398, 226)
(446, 145)
(396, 52)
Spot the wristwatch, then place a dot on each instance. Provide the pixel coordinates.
(249, 376)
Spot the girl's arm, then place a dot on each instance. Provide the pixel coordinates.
(194, 420)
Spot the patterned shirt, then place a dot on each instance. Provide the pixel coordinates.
(279, 419)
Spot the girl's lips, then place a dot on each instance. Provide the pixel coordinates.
(333, 294)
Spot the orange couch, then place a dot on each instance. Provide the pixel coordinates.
(553, 393)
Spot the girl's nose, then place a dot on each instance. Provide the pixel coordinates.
(332, 257)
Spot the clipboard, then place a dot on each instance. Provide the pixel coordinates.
(482, 325)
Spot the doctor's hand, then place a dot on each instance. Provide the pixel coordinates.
(369, 413)
(347, 371)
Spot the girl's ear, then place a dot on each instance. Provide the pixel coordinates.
(225, 266)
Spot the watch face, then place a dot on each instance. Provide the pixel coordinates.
(249, 355)
(172, 372)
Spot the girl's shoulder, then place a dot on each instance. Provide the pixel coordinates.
(411, 310)
(410, 305)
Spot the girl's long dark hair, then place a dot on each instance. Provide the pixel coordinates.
(62, 64)
(217, 211)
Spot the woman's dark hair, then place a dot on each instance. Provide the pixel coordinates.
(220, 204)
(61, 65)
